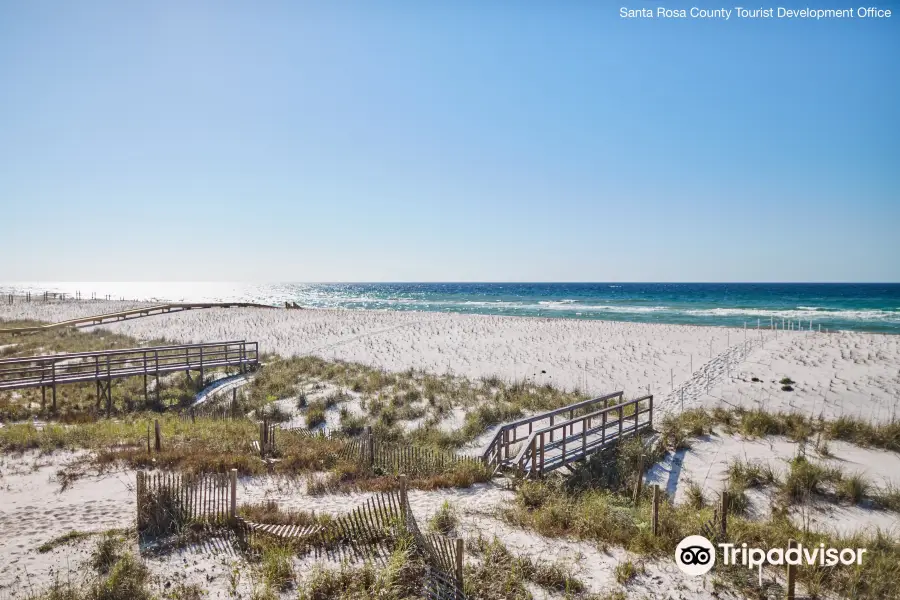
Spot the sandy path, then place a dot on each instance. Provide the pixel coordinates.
(34, 510)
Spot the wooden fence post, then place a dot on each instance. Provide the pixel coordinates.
(158, 440)
(262, 438)
(724, 512)
(403, 498)
(370, 446)
(640, 479)
(655, 515)
(459, 562)
(139, 496)
(233, 507)
(148, 437)
(791, 575)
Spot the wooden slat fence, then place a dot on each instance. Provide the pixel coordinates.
(412, 460)
(368, 532)
(390, 458)
(716, 528)
(445, 569)
(177, 499)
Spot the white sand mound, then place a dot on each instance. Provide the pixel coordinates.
(706, 463)
(34, 510)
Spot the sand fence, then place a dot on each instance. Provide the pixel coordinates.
(167, 502)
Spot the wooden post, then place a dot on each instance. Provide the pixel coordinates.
(505, 444)
(637, 415)
(139, 495)
(724, 512)
(541, 467)
(403, 500)
(233, 401)
(158, 441)
(603, 428)
(791, 575)
(233, 508)
(370, 446)
(262, 438)
(148, 437)
(655, 515)
(459, 562)
(640, 478)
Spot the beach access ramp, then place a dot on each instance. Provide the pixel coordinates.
(104, 366)
(133, 313)
(545, 442)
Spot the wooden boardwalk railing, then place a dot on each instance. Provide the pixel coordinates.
(104, 366)
(498, 451)
(134, 313)
(552, 447)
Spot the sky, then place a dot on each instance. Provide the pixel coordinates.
(463, 140)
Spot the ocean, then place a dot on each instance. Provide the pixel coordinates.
(873, 307)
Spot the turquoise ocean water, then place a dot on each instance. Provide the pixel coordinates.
(864, 307)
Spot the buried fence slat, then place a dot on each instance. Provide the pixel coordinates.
(367, 516)
(368, 533)
(232, 512)
(724, 514)
(379, 510)
(459, 562)
(655, 513)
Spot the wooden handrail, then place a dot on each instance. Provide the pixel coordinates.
(43, 371)
(136, 350)
(500, 434)
(530, 446)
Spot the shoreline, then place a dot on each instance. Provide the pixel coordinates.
(126, 304)
(870, 307)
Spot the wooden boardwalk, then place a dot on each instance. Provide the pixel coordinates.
(104, 366)
(543, 443)
(134, 313)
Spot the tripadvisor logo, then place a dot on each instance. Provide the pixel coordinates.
(696, 555)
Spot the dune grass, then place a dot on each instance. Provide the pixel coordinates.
(500, 574)
(611, 519)
(62, 540)
(759, 423)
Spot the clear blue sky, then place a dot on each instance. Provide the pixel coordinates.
(456, 140)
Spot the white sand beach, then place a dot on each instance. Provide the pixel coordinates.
(835, 374)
